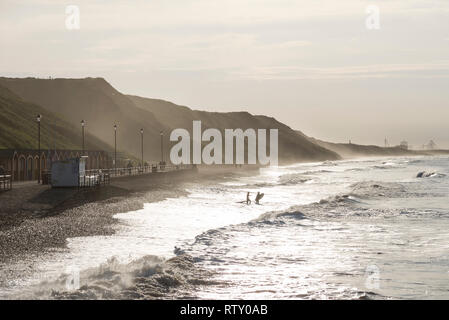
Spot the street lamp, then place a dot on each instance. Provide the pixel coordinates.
(115, 149)
(162, 146)
(38, 119)
(141, 135)
(82, 129)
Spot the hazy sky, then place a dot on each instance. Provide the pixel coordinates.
(312, 64)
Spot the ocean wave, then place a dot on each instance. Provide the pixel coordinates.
(294, 212)
(386, 166)
(342, 208)
(316, 171)
(353, 204)
(356, 169)
(283, 180)
(292, 179)
(371, 189)
(210, 235)
(261, 185)
(430, 174)
(149, 277)
(414, 161)
(329, 163)
(375, 190)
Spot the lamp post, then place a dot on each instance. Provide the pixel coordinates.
(141, 140)
(82, 129)
(38, 119)
(115, 149)
(162, 146)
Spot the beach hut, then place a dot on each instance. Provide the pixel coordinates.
(67, 173)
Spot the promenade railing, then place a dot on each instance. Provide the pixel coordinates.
(133, 171)
(98, 177)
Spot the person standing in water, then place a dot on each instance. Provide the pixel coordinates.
(248, 200)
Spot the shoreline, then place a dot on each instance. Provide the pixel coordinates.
(46, 218)
(174, 278)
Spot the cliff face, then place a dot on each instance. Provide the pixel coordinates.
(96, 102)
(101, 106)
(19, 127)
(292, 147)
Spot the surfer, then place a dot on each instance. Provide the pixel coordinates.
(258, 197)
(248, 200)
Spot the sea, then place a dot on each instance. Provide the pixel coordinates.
(371, 228)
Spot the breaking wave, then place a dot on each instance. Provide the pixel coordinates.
(329, 163)
(430, 174)
(149, 277)
(370, 189)
(292, 179)
(283, 180)
(352, 204)
(317, 171)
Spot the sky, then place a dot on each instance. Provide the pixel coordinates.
(335, 70)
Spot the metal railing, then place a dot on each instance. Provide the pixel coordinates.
(5, 182)
(133, 171)
(99, 177)
(93, 178)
